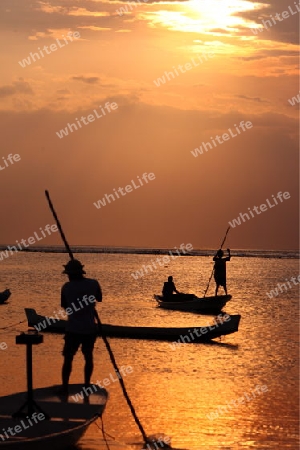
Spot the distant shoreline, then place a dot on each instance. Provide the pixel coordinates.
(248, 253)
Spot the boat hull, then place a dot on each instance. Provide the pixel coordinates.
(148, 333)
(69, 418)
(189, 302)
(58, 440)
(4, 296)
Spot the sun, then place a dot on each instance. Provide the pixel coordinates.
(218, 14)
(213, 17)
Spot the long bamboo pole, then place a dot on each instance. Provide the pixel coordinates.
(106, 343)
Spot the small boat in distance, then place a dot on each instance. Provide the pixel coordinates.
(4, 296)
(60, 423)
(189, 302)
(220, 328)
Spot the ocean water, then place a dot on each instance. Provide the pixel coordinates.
(239, 393)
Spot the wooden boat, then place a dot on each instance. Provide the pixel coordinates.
(4, 296)
(69, 418)
(48, 324)
(189, 302)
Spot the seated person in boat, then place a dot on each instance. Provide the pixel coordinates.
(78, 297)
(168, 289)
(220, 270)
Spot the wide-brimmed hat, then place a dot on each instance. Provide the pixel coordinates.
(74, 267)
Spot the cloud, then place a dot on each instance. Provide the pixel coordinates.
(88, 80)
(270, 53)
(253, 99)
(17, 87)
(286, 30)
(36, 18)
(93, 28)
(63, 91)
(220, 31)
(71, 10)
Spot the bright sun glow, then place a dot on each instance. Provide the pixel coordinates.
(214, 17)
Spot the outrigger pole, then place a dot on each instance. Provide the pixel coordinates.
(106, 343)
(223, 242)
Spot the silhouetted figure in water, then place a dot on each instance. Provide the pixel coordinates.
(78, 298)
(168, 289)
(220, 269)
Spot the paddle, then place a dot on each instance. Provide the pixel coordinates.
(107, 345)
(223, 242)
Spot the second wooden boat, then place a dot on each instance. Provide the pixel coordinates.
(215, 330)
(189, 302)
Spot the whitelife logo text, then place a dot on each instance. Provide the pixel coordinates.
(225, 136)
(33, 57)
(10, 160)
(259, 209)
(86, 119)
(31, 240)
(129, 188)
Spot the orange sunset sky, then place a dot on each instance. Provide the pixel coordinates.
(116, 58)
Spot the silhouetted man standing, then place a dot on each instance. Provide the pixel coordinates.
(78, 298)
(220, 269)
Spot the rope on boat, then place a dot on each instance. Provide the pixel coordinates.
(104, 433)
(13, 325)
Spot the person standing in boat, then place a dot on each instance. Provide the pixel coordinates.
(78, 298)
(168, 289)
(220, 270)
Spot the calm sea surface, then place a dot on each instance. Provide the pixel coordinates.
(174, 391)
